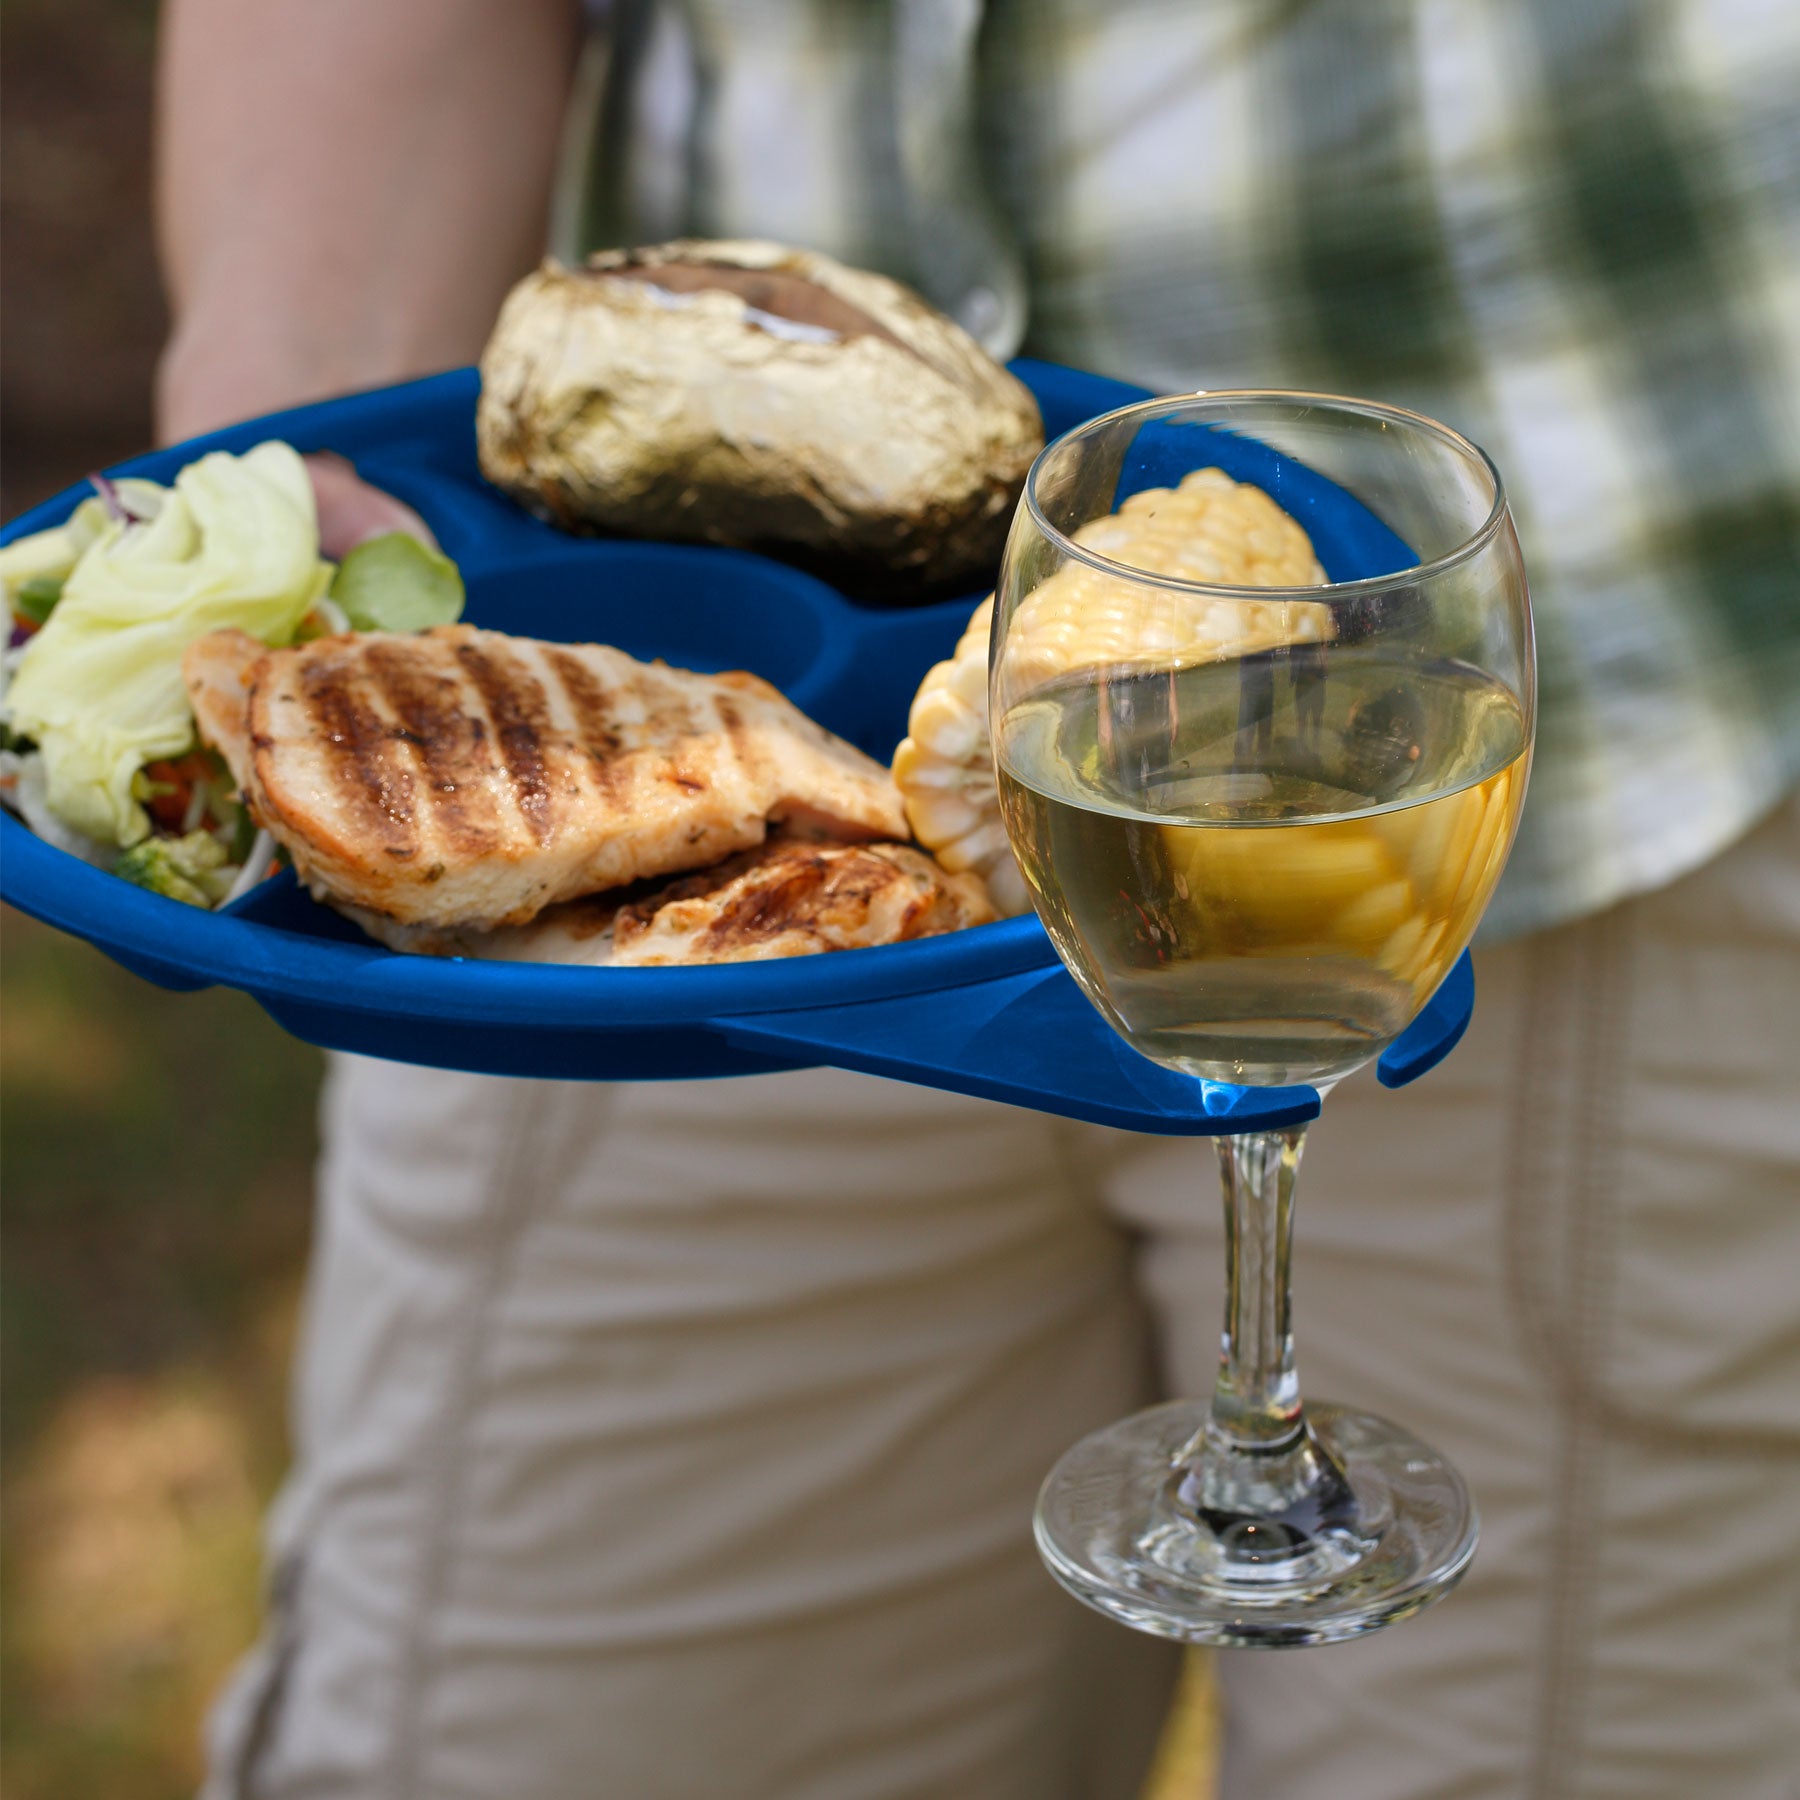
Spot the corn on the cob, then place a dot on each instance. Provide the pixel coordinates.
(1209, 529)
(945, 770)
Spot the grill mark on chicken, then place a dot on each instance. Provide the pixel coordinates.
(515, 704)
(370, 779)
(591, 703)
(735, 733)
(452, 746)
(595, 709)
(766, 910)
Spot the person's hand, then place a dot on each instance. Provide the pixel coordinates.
(350, 510)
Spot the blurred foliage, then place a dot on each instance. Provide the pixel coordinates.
(156, 1152)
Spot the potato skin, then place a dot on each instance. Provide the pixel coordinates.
(887, 459)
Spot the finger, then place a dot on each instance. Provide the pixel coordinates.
(351, 511)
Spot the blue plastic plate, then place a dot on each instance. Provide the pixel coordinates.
(987, 1011)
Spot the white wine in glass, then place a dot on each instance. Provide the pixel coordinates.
(1272, 918)
(1260, 825)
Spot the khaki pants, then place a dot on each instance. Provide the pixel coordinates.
(681, 1440)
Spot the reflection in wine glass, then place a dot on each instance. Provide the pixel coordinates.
(1260, 823)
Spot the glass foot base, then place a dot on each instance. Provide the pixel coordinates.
(1119, 1527)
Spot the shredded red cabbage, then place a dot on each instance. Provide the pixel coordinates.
(116, 506)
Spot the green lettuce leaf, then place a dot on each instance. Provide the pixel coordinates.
(50, 556)
(235, 542)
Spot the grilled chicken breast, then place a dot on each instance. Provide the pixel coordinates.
(462, 778)
(784, 898)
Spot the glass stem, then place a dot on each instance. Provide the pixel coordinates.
(1255, 1456)
(1256, 1400)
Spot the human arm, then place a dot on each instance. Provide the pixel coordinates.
(345, 189)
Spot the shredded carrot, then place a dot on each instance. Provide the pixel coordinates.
(172, 787)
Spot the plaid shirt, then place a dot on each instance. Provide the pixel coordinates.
(1570, 228)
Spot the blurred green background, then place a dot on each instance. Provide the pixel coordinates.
(155, 1149)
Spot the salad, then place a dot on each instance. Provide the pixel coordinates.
(98, 750)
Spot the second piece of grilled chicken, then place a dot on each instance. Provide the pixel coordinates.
(463, 778)
(788, 897)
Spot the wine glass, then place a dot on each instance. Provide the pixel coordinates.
(1260, 823)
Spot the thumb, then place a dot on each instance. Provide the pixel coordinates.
(350, 510)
